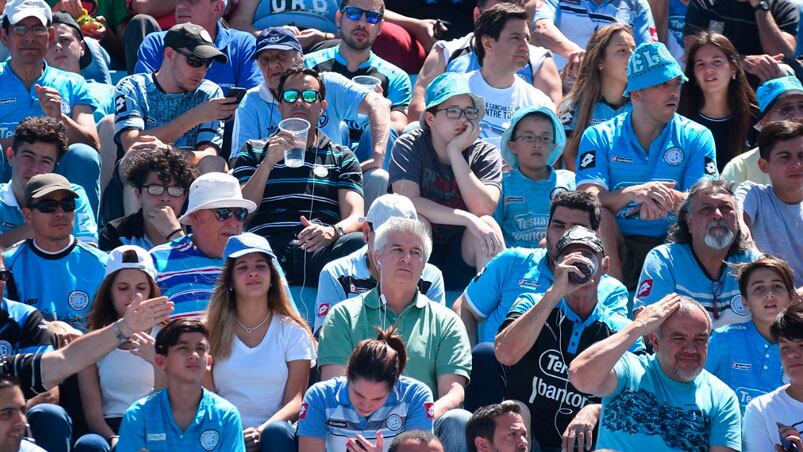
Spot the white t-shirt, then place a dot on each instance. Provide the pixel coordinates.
(124, 379)
(502, 104)
(253, 379)
(761, 418)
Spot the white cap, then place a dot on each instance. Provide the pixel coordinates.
(137, 258)
(16, 10)
(213, 191)
(389, 206)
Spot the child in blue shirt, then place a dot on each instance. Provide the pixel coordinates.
(532, 143)
(183, 416)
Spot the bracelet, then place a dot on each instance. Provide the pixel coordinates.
(174, 232)
(121, 337)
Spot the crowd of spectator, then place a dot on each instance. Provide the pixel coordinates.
(401, 225)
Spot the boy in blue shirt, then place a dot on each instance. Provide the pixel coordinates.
(530, 146)
(184, 415)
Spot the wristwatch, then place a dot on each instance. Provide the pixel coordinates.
(762, 6)
(339, 232)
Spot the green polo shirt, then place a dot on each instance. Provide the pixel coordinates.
(436, 340)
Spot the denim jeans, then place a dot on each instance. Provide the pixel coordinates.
(51, 427)
(451, 430)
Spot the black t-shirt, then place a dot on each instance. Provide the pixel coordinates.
(723, 131)
(541, 378)
(27, 370)
(737, 21)
(459, 13)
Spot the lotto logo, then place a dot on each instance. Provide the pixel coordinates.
(645, 288)
(589, 160)
(710, 166)
(302, 413)
(653, 34)
(430, 407)
(323, 309)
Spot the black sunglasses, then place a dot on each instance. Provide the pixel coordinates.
(354, 14)
(5, 274)
(194, 61)
(50, 205)
(224, 213)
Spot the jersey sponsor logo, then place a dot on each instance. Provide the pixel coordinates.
(430, 409)
(589, 160)
(619, 159)
(323, 309)
(119, 104)
(209, 438)
(551, 364)
(644, 289)
(10, 100)
(394, 422)
(302, 413)
(336, 423)
(512, 199)
(710, 166)
(156, 437)
(6, 348)
(674, 156)
(560, 394)
(742, 366)
(557, 190)
(746, 394)
(529, 283)
(737, 306)
(78, 300)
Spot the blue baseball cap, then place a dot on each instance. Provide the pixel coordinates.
(769, 92)
(651, 64)
(446, 86)
(560, 135)
(247, 243)
(278, 38)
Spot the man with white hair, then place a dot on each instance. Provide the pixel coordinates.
(357, 273)
(438, 351)
(666, 400)
(707, 234)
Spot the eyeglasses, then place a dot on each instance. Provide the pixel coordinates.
(354, 14)
(50, 205)
(21, 30)
(194, 61)
(470, 113)
(291, 96)
(5, 274)
(543, 140)
(157, 190)
(716, 292)
(224, 213)
(790, 110)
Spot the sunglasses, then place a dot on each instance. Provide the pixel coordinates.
(224, 213)
(22, 30)
(157, 190)
(50, 205)
(291, 96)
(5, 274)
(193, 60)
(471, 113)
(354, 14)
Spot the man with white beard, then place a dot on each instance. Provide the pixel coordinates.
(706, 237)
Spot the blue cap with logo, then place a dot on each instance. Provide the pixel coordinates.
(247, 243)
(278, 38)
(651, 64)
(446, 86)
(769, 92)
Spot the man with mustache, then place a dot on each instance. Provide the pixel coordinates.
(641, 163)
(705, 239)
(666, 400)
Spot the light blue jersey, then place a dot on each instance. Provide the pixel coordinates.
(258, 115)
(103, 94)
(610, 156)
(61, 286)
(327, 413)
(523, 208)
(650, 411)
(578, 19)
(17, 102)
(148, 424)
(517, 271)
(84, 226)
(741, 357)
(674, 268)
(141, 104)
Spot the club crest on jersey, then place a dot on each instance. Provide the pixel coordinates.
(710, 166)
(6, 348)
(209, 439)
(737, 306)
(589, 160)
(394, 422)
(674, 156)
(78, 300)
(644, 289)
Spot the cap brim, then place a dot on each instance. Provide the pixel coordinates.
(237, 254)
(274, 47)
(246, 204)
(48, 190)
(586, 245)
(210, 52)
(14, 19)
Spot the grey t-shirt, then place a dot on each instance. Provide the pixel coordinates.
(415, 159)
(775, 225)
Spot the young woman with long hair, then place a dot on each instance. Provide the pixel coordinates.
(597, 95)
(262, 348)
(126, 374)
(718, 95)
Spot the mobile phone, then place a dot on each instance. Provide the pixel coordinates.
(237, 93)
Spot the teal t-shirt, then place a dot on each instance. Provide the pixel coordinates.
(650, 411)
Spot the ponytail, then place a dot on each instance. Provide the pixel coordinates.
(378, 360)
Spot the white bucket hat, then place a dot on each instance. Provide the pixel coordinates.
(213, 191)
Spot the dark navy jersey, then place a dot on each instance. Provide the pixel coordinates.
(23, 329)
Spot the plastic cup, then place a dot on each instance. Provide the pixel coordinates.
(368, 81)
(299, 128)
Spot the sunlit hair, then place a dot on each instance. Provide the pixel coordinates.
(103, 312)
(679, 232)
(788, 324)
(743, 272)
(379, 360)
(395, 225)
(587, 90)
(741, 99)
(222, 316)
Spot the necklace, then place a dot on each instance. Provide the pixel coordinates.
(252, 329)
